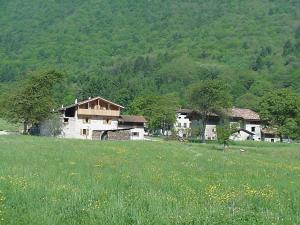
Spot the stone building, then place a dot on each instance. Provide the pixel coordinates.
(247, 122)
(98, 119)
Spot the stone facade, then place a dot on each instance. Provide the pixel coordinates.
(119, 135)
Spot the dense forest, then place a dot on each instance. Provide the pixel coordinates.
(127, 48)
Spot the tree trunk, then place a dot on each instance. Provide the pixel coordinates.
(25, 127)
(202, 137)
(202, 134)
(281, 138)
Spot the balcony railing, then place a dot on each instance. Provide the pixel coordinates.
(98, 112)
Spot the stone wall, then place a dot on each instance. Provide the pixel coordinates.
(118, 135)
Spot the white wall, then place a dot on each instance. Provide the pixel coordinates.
(182, 125)
(257, 132)
(181, 119)
(239, 136)
(275, 139)
(73, 128)
(140, 131)
(211, 132)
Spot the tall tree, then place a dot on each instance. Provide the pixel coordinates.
(207, 97)
(278, 109)
(159, 110)
(32, 101)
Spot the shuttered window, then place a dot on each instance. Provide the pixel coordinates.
(84, 132)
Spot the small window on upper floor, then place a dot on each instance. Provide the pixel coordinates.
(107, 121)
(86, 120)
(184, 125)
(66, 120)
(253, 129)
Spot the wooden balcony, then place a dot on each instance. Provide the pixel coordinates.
(98, 112)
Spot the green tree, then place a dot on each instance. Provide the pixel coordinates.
(32, 101)
(288, 48)
(223, 134)
(207, 97)
(159, 111)
(290, 129)
(224, 131)
(278, 108)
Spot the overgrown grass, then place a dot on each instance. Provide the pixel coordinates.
(55, 181)
(4, 125)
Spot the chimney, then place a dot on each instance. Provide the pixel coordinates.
(62, 106)
(76, 101)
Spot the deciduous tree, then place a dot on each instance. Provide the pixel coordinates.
(159, 110)
(207, 97)
(278, 109)
(32, 101)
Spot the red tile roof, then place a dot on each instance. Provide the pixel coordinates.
(246, 114)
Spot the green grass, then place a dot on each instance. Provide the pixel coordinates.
(55, 181)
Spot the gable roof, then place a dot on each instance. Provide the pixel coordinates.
(89, 100)
(269, 130)
(246, 114)
(246, 131)
(132, 119)
(240, 113)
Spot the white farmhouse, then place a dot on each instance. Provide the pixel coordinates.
(183, 123)
(98, 119)
(247, 122)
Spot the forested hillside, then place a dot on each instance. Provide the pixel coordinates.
(125, 48)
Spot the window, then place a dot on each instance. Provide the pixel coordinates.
(272, 140)
(84, 132)
(253, 129)
(135, 134)
(86, 120)
(107, 121)
(179, 124)
(184, 125)
(66, 120)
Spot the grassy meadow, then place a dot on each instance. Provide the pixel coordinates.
(54, 181)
